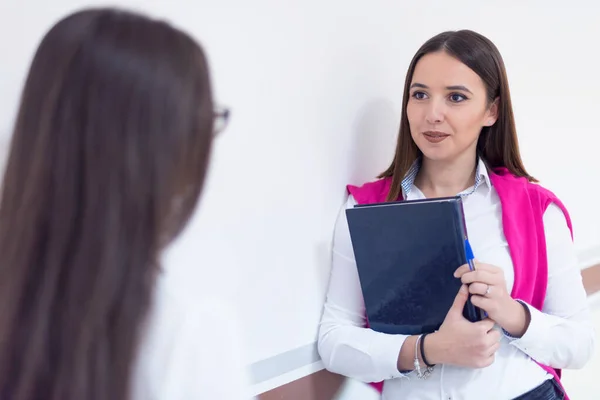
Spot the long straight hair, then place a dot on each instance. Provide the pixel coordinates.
(107, 160)
(498, 144)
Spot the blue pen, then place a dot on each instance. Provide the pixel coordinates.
(469, 254)
(470, 261)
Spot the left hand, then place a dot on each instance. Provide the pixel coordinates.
(488, 287)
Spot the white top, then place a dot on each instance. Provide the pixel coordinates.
(190, 349)
(562, 336)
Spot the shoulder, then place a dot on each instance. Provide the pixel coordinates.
(505, 180)
(539, 196)
(556, 214)
(547, 199)
(189, 346)
(370, 192)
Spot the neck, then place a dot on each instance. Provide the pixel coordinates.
(446, 178)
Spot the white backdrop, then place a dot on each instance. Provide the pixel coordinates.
(315, 91)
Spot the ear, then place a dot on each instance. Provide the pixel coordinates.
(492, 113)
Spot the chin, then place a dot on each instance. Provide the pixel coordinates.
(437, 154)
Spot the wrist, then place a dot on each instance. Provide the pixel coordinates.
(406, 355)
(435, 349)
(518, 319)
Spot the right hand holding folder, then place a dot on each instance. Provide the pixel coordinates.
(463, 343)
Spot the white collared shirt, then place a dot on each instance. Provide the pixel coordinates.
(561, 335)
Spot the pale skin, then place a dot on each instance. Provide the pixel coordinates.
(448, 98)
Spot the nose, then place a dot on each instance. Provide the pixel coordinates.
(435, 112)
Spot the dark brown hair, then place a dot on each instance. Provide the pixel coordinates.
(107, 161)
(497, 145)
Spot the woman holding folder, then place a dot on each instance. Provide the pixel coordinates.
(457, 137)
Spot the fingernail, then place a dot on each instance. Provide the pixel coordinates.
(463, 289)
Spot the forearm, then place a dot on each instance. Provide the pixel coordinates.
(549, 339)
(558, 342)
(561, 335)
(360, 353)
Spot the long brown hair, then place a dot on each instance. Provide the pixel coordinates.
(497, 145)
(107, 161)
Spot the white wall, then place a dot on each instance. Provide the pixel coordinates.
(315, 90)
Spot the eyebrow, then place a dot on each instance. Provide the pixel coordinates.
(454, 87)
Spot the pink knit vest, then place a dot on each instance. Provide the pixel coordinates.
(523, 206)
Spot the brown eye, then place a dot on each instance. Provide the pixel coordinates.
(457, 97)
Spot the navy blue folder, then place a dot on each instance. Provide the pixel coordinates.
(406, 254)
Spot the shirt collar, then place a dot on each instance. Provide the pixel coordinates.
(481, 176)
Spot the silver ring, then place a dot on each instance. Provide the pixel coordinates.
(488, 290)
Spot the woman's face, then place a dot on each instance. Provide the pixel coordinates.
(447, 107)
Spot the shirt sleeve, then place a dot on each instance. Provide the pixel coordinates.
(562, 334)
(345, 345)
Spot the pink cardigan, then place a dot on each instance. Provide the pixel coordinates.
(523, 206)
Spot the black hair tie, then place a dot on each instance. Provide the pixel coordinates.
(422, 345)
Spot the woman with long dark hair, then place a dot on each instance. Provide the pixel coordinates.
(107, 161)
(457, 137)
